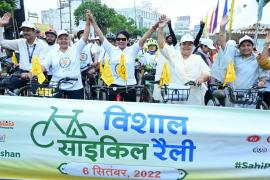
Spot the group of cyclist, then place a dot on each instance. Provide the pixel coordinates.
(199, 61)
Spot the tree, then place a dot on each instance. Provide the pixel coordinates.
(107, 18)
(7, 5)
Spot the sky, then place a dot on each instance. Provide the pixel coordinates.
(197, 9)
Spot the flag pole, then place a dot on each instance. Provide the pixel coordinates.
(256, 33)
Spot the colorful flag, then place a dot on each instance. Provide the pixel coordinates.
(106, 75)
(165, 77)
(100, 67)
(14, 59)
(216, 18)
(37, 70)
(211, 22)
(206, 23)
(260, 9)
(225, 10)
(231, 16)
(230, 73)
(122, 68)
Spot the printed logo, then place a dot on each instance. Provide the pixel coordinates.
(64, 62)
(260, 149)
(254, 138)
(7, 124)
(253, 165)
(83, 57)
(2, 138)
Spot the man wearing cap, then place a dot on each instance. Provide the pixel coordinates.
(28, 47)
(51, 37)
(187, 66)
(247, 69)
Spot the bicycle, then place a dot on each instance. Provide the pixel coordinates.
(104, 91)
(248, 97)
(5, 82)
(217, 94)
(89, 79)
(49, 90)
(242, 97)
(40, 129)
(175, 92)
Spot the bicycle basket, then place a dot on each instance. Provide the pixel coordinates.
(175, 93)
(43, 90)
(244, 96)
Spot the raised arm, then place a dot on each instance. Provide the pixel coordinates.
(148, 34)
(10, 44)
(199, 35)
(174, 40)
(222, 36)
(96, 28)
(263, 59)
(161, 25)
(87, 26)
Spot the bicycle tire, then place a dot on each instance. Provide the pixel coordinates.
(25, 91)
(146, 95)
(211, 102)
(262, 106)
(87, 92)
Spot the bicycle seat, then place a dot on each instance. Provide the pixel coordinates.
(190, 83)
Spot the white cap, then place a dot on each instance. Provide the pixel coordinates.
(231, 42)
(208, 42)
(245, 38)
(28, 24)
(62, 32)
(187, 38)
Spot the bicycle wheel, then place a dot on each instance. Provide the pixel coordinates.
(211, 102)
(25, 91)
(146, 95)
(262, 106)
(87, 92)
(38, 137)
(102, 96)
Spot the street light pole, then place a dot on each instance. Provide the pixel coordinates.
(70, 23)
(135, 13)
(60, 7)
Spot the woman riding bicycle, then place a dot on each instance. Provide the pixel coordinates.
(65, 62)
(120, 52)
(187, 66)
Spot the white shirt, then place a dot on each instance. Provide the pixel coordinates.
(86, 57)
(186, 70)
(38, 48)
(150, 60)
(66, 64)
(130, 55)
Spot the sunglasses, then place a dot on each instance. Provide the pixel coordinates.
(121, 39)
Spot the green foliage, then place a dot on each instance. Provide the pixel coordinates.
(107, 18)
(7, 5)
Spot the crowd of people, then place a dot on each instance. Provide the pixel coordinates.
(200, 60)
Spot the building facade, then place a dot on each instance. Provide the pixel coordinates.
(182, 25)
(143, 15)
(62, 17)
